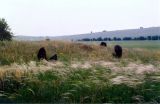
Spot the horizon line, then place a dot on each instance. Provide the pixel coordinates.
(90, 32)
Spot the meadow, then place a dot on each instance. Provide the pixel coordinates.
(146, 44)
(84, 73)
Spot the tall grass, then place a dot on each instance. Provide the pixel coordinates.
(64, 84)
(77, 86)
(23, 52)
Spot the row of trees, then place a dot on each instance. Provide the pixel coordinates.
(5, 31)
(156, 37)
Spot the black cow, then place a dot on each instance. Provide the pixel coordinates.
(54, 57)
(42, 54)
(103, 44)
(117, 51)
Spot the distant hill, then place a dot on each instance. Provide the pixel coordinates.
(110, 34)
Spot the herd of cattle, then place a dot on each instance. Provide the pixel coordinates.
(42, 52)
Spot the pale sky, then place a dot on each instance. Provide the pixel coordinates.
(68, 17)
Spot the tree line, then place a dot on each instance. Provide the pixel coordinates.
(155, 37)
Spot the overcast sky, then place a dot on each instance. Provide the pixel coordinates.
(67, 17)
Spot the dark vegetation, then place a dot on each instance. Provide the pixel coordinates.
(156, 37)
(5, 31)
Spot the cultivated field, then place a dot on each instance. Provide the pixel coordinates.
(82, 74)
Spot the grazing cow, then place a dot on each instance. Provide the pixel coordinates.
(117, 51)
(54, 57)
(103, 44)
(42, 54)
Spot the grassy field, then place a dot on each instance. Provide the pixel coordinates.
(154, 45)
(139, 44)
(82, 74)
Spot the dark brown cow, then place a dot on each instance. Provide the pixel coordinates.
(54, 57)
(103, 44)
(117, 51)
(42, 54)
